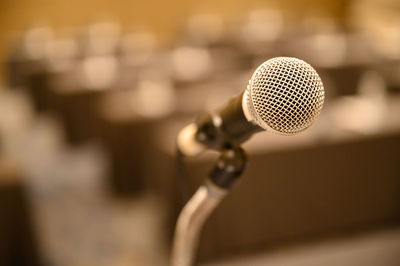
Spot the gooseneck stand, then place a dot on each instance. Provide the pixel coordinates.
(226, 172)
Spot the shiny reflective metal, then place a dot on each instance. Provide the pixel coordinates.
(285, 94)
(190, 223)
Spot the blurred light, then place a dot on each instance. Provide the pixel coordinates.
(191, 63)
(366, 112)
(328, 50)
(61, 54)
(99, 71)
(35, 42)
(372, 86)
(154, 99)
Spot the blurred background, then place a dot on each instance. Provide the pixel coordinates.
(93, 94)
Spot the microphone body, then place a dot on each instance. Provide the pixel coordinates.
(218, 130)
(285, 95)
(225, 127)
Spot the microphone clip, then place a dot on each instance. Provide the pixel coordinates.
(225, 128)
(210, 134)
(229, 167)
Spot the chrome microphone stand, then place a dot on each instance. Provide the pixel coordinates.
(228, 169)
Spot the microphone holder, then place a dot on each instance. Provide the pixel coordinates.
(227, 170)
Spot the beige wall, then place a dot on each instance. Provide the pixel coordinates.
(163, 17)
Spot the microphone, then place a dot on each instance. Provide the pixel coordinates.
(285, 95)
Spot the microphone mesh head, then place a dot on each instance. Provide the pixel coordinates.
(285, 94)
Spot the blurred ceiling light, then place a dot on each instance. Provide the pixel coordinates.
(99, 72)
(154, 99)
(191, 63)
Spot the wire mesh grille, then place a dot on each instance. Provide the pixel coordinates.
(287, 95)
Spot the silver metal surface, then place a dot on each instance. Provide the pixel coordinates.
(190, 223)
(285, 94)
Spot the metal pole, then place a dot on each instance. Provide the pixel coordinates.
(191, 221)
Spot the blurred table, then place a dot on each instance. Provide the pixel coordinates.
(75, 93)
(126, 135)
(370, 249)
(323, 182)
(18, 242)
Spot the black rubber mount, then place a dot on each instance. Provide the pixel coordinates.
(226, 128)
(229, 167)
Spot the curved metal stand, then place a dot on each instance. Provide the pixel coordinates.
(190, 223)
(229, 167)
